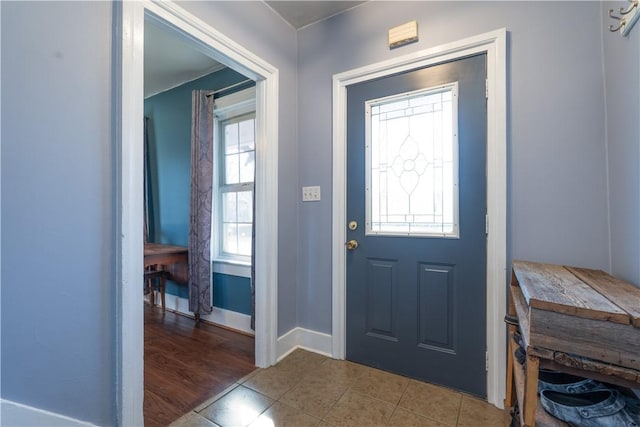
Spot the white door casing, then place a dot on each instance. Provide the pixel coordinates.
(129, 18)
(494, 45)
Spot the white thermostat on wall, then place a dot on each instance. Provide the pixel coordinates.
(403, 34)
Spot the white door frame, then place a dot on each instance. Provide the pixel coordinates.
(128, 69)
(494, 45)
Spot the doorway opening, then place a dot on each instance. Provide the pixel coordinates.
(415, 180)
(173, 72)
(129, 19)
(494, 45)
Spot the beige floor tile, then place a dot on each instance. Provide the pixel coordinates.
(282, 415)
(218, 396)
(403, 418)
(300, 362)
(308, 356)
(478, 413)
(239, 407)
(192, 420)
(315, 396)
(381, 385)
(338, 370)
(315, 390)
(250, 375)
(273, 381)
(437, 403)
(357, 409)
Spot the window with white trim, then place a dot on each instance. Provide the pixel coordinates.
(234, 182)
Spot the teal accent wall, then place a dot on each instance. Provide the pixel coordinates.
(232, 293)
(229, 292)
(169, 154)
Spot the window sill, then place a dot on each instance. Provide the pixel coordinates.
(231, 267)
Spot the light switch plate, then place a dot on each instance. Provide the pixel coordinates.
(311, 194)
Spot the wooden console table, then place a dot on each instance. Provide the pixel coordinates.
(580, 321)
(168, 262)
(174, 259)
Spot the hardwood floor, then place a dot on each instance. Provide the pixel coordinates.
(184, 365)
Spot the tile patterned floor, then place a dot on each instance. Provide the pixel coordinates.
(307, 389)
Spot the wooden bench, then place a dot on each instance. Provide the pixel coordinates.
(580, 321)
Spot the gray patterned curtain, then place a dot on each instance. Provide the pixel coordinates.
(201, 203)
(148, 194)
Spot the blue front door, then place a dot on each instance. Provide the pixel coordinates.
(416, 207)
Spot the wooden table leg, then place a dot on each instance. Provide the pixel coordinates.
(510, 395)
(162, 289)
(530, 401)
(152, 293)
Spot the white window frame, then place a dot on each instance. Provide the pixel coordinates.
(455, 233)
(235, 105)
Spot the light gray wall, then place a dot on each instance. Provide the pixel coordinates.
(259, 29)
(57, 210)
(57, 316)
(58, 311)
(557, 204)
(622, 92)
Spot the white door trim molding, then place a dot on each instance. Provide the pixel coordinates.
(128, 66)
(494, 44)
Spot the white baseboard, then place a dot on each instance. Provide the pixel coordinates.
(227, 318)
(14, 414)
(307, 339)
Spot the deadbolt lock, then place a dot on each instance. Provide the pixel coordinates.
(353, 225)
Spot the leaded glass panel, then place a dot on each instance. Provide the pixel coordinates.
(412, 164)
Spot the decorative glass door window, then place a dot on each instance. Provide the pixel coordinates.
(412, 164)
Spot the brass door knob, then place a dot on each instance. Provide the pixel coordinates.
(351, 244)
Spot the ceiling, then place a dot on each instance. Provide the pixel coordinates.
(302, 13)
(170, 60)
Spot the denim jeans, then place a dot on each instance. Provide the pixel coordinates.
(566, 383)
(599, 408)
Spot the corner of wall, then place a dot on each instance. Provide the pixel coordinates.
(606, 138)
(621, 92)
(305, 339)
